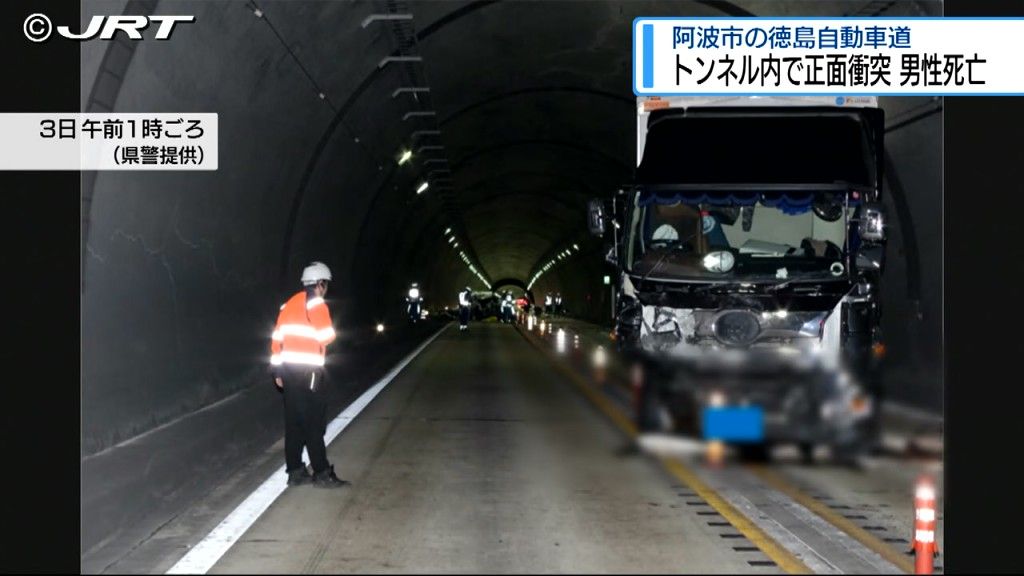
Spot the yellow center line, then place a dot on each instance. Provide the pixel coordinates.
(779, 483)
(783, 558)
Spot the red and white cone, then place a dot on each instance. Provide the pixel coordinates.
(925, 547)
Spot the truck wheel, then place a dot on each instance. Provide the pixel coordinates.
(648, 409)
(759, 452)
(849, 456)
(807, 452)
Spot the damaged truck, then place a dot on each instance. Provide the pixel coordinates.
(749, 251)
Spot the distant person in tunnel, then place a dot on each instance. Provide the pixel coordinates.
(549, 304)
(507, 307)
(414, 302)
(298, 350)
(465, 304)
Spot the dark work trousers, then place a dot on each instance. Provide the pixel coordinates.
(305, 416)
(463, 315)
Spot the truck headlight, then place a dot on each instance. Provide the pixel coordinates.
(719, 261)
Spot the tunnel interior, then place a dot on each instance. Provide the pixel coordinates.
(515, 114)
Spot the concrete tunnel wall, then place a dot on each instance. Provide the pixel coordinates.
(183, 271)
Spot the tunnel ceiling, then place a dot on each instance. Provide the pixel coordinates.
(529, 114)
(534, 118)
(532, 114)
(531, 125)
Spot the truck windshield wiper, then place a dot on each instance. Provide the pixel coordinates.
(679, 244)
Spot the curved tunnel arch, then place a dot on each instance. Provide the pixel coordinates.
(205, 265)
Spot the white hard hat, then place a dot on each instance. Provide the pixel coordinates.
(315, 272)
(665, 232)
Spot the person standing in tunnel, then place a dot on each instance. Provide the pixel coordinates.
(465, 302)
(506, 308)
(298, 351)
(548, 304)
(413, 303)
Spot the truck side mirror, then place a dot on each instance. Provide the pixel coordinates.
(611, 257)
(870, 257)
(872, 222)
(595, 217)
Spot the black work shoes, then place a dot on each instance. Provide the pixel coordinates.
(299, 476)
(327, 479)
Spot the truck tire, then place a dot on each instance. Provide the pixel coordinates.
(850, 455)
(806, 452)
(648, 409)
(756, 452)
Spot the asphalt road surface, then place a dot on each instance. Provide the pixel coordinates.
(480, 457)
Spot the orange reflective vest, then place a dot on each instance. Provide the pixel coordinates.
(303, 331)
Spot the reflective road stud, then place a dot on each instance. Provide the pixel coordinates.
(715, 447)
(924, 526)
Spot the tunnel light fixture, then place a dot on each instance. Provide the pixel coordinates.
(577, 247)
(380, 328)
(456, 245)
(389, 59)
(378, 17)
(451, 239)
(405, 157)
(448, 230)
(423, 186)
(409, 90)
(419, 114)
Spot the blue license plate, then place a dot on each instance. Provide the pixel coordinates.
(734, 423)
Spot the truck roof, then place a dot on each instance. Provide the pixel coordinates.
(648, 103)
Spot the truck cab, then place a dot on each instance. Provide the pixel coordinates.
(749, 250)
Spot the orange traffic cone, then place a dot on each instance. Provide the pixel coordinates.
(925, 547)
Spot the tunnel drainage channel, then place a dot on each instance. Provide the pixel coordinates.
(205, 554)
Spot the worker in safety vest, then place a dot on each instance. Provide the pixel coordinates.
(297, 347)
(414, 302)
(465, 302)
(548, 304)
(507, 307)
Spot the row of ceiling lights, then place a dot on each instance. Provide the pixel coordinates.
(465, 259)
(404, 157)
(554, 260)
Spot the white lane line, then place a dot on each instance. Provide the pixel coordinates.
(209, 550)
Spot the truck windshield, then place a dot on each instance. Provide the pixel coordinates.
(764, 242)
